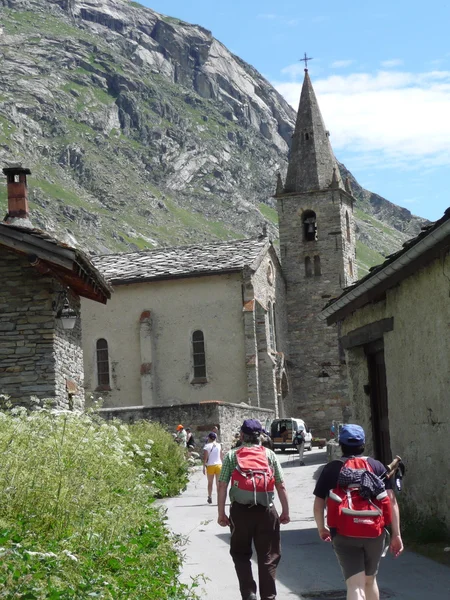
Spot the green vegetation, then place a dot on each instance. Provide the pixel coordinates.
(77, 518)
(198, 222)
(269, 212)
(366, 258)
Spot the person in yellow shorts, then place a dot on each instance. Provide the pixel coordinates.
(212, 462)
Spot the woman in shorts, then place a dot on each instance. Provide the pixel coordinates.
(212, 462)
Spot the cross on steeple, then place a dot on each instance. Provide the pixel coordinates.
(305, 60)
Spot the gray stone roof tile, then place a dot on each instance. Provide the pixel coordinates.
(181, 261)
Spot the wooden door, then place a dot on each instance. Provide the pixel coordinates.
(379, 401)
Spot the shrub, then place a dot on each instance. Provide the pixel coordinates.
(77, 518)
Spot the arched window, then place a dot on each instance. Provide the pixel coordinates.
(102, 363)
(309, 226)
(347, 225)
(317, 268)
(198, 355)
(308, 267)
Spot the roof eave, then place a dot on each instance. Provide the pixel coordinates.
(132, 280)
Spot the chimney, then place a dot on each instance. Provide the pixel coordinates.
(16, 177)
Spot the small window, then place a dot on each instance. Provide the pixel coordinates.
(308, 267)
(310, 226)
(350, 268)
(102, 363)
(16, 179)
(317, 268)
(306, 136)
(347, 225)
(198, 355)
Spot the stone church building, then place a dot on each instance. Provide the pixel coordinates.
(227, 321)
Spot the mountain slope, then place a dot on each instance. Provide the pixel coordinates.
(143, 130)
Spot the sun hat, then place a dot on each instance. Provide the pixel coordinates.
(250, 426)
(180, 427)
(352, 435)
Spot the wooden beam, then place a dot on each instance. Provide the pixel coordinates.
(367, 334)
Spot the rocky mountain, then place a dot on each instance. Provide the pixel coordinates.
(142, 130)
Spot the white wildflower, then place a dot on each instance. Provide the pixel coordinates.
(70, 555)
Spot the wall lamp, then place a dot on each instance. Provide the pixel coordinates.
(65, 315)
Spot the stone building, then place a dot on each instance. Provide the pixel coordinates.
(42, 282)
(189, 325)
(395, 326)
(318, 256)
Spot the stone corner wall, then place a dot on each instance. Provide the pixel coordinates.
(36, 356)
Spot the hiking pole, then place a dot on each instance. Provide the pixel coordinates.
(395, 467)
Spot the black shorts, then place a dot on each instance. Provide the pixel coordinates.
(356, 555)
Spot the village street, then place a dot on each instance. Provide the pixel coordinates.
(308, 565)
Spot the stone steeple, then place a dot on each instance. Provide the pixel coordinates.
(311, 161)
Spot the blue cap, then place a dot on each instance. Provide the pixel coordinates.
(250, 426)
(212, 435)
(352, 435)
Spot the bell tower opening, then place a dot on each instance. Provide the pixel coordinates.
(309, 226)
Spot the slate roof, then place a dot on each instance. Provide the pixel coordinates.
(181, 261)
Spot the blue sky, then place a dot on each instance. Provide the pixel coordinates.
(381, 72)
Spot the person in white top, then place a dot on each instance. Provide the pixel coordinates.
(212, 462)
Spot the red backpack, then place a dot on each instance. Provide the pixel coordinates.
(353, 514)
(252, 480)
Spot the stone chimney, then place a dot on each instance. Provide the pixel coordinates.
(18, 212)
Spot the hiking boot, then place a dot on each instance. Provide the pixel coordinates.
(252, 597)
(209, 500)
(302, 464)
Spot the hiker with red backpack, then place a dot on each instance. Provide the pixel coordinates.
(360, 503)
(254, 473)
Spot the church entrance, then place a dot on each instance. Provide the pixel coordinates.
(379, 401)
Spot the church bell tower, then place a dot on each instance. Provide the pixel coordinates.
(317, 245)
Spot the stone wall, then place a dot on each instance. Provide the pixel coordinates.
(201, 418)
(316, 365)
(35, 356)
(417, 358)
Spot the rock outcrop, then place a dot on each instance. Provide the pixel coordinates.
(143, 130)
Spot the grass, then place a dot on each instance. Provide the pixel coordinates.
(198, 222)
(77, 518)
(366, 258)
(270, 213)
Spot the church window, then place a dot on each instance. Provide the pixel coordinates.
(306, 136)
(198, 355)
(102, 363)
(347, 225)
(309, 226)
(308, 267)
(317, 267)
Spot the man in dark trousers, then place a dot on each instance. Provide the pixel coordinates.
(359, 557)
(253, 521)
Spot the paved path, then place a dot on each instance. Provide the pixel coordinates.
(307, 563)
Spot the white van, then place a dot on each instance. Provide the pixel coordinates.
(282, 433)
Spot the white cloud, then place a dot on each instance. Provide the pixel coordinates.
(340, 64)
(390, 116)
(282, 20)
(393, 62)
